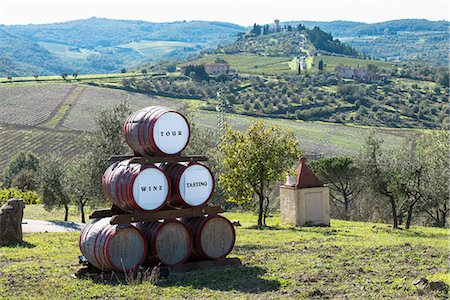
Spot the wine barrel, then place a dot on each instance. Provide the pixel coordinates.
(169, 242)
(156, 130)
(214, 236)
(136, 187)
(191, 184)
(119, 248)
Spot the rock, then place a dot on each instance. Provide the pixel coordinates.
(424, 285)
(11, 214)
(438, 286)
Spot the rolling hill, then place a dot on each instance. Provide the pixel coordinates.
(99, 45)
(404, 40)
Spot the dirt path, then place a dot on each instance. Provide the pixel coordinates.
(50, 226)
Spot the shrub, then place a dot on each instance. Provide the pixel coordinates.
(29, 197)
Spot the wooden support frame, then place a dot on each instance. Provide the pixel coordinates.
(120, 217)
(158, 159)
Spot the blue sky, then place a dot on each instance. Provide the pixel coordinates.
(244, 12)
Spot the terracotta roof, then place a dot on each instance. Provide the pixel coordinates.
(306, 177)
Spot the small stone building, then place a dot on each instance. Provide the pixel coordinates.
(217, 69)
(304, 200)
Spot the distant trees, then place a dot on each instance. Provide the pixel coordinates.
(254, 160)
(144, 71)
(64, 76)
(21, 171)
(196, 72)
(324, 41)
(380, 174)
(123, 70)
(343, 177)
(75, 75)
(410, 180)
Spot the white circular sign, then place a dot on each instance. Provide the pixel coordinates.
(150, 188)
(171, 133)
(196, 184)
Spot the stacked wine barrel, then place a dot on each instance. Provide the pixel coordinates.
(133, 186)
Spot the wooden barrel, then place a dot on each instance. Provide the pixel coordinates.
(120, 248)
(191, 184)
(136, 187)
(156, 130)
(169, 242)
(214, 236)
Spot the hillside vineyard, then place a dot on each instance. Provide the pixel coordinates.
(135, 186)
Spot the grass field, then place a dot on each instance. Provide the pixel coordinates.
(332, 61)
(80, 78)
(315, 137)
(38, 212)
(348, 260)
(150, 48)
(67, 52)
(249, 64)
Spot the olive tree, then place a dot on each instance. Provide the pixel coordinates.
(342, 175)
(51, 185)
(21, 171)
(252, 161)
(381, 175)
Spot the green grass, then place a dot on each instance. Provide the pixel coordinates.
(348, 260)
(38, 212)
(249, 64)
(80, 78)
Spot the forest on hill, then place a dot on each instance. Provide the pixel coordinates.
(416, 40)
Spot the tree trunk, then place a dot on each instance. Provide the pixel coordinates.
(346, 202)
(261, 211)
(83, 219)
(394, 212)
(66, 212)
(409, 216)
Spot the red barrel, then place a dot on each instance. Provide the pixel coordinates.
(191, 184)
(169, 242)
(214, 236)
(136, 187)
(156, 130)
(120, 248)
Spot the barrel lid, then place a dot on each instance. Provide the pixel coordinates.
(171, 132)
(151, 188)
(196, 184)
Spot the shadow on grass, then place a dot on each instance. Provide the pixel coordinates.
(68, 225)
(22, 244)
(241, 278)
